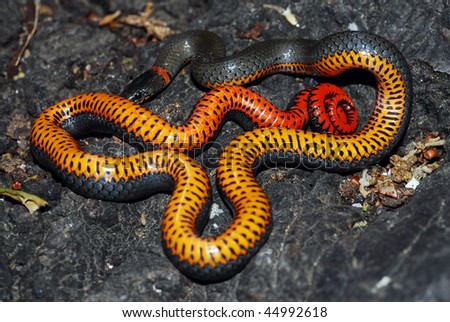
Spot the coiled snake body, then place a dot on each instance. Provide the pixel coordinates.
(134, 176)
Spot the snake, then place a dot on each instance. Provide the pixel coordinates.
(217, 258)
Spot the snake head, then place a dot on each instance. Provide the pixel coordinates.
(145, 86)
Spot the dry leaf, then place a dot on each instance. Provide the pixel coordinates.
(32, 202)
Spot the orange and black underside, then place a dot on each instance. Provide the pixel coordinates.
(219, 257)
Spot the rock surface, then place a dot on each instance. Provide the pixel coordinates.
(89, 250)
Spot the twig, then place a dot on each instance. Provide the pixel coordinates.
(30, 23)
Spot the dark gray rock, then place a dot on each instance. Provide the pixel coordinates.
(84, 249)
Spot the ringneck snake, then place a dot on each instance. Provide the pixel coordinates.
(166, 169)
